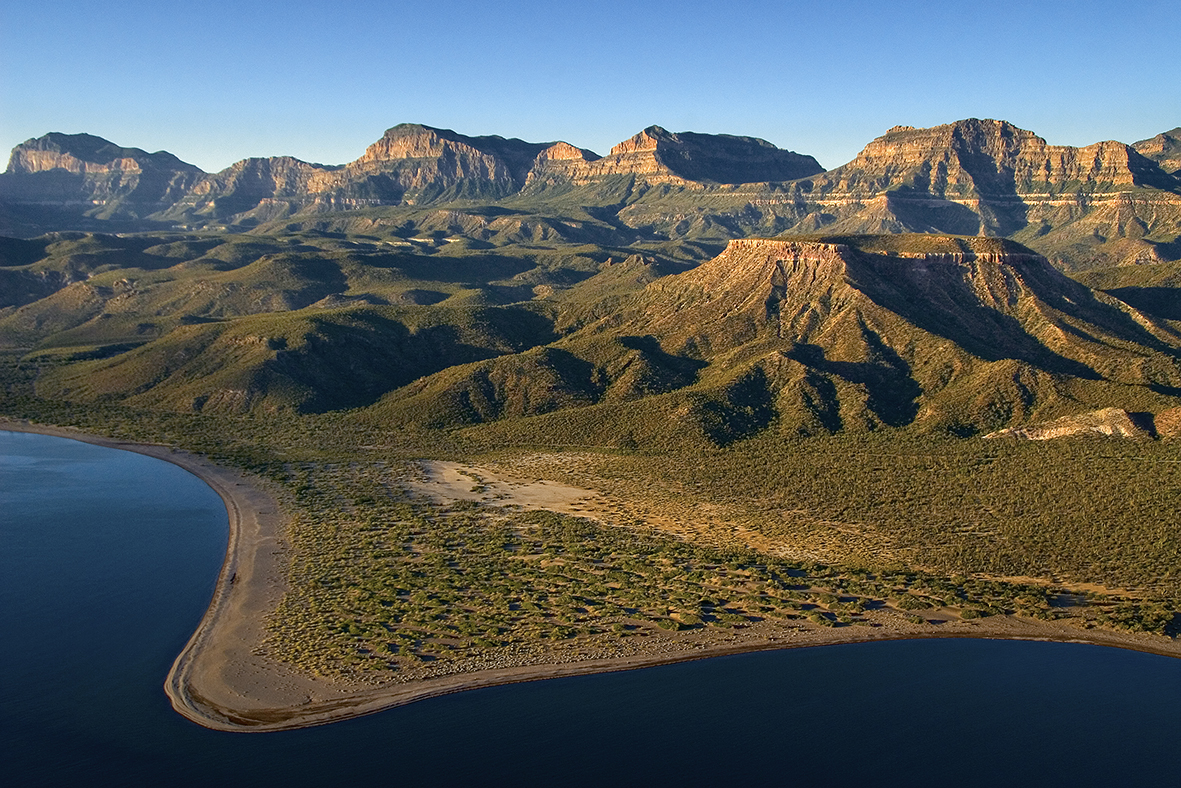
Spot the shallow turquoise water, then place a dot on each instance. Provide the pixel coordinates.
(108, 558)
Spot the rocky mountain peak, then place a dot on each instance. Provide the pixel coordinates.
(564, 151)
(990, 159)
(110, 181)
(648, 139)
(81, 153)
(452, 157)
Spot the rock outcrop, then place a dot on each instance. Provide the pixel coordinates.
(247, 184)
(1099, 205)
(1107, 422)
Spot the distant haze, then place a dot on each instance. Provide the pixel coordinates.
(217, 82)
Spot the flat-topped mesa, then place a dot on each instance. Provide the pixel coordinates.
(815, 269)
(795, 282)
(904, 328)
(925, 246)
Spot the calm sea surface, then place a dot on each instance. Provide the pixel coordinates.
(107, 561)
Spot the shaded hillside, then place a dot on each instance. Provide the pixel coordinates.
(82, 290)
(1164, 149)
(1155, 289)
(824, 335)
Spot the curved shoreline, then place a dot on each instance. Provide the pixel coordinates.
(220, 680)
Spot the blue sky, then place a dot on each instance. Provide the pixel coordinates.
(214, 82)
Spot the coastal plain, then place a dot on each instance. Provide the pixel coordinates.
(225, 680)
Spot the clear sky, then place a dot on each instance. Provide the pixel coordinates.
(215, 81)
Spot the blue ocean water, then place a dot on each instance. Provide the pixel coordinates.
(108, 559)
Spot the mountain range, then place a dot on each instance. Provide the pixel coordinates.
(1103, 204)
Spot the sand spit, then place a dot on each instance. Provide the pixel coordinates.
(221, 681)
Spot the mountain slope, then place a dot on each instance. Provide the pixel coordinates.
(835, 333)
(304, 361)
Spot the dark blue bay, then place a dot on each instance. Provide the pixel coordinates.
(107, 560)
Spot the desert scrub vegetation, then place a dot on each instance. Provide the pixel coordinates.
(1083, 511)
(385, 584)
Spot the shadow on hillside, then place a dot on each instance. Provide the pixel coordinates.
(955, 313)
(892, 393)
(1158, 301)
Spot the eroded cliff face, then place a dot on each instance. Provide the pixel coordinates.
(412, 164)
(988, 158)
(985, 177)
(102, 179)
(408, 162)
(420, 156)
(252, 184)
(1098, 205)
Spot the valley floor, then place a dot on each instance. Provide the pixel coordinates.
(225, 678)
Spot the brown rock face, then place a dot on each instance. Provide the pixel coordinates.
(989, 177)
(413, 163)
(1102, 204)
(408, 162)
(247, 184)
(420, 155)
(564, 151)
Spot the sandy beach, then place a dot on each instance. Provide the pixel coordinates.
(222, 680)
